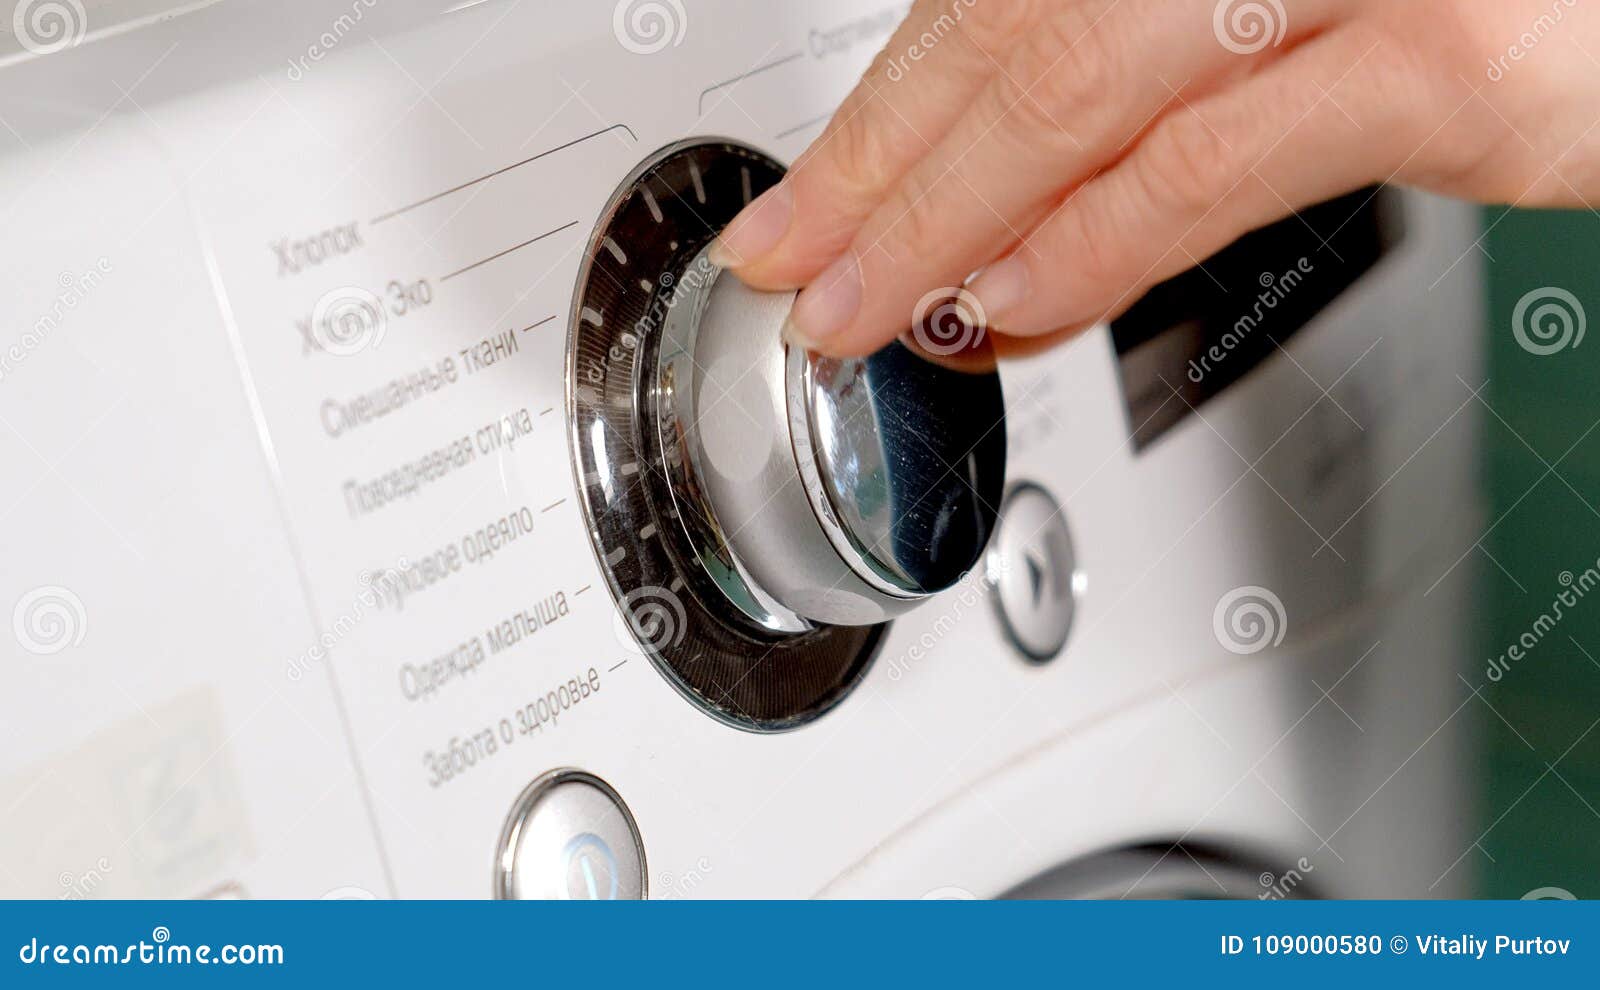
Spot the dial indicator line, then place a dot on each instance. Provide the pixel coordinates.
(501, 171)
(785, 60)
(515, 247)
(796, 129)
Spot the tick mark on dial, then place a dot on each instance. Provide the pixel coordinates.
(650, 201)
(698, 180)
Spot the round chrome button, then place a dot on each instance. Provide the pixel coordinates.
(1034, 571)
(838, 491)
(910, 457)
(570, 837)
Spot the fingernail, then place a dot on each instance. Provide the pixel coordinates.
(756, 230)
(794, 337)
(1001, 288)
(828, 305)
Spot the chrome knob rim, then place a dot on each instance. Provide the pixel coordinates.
(735, 543)
(684, 389)
(903, 458)
(736, 670)
(899, 459)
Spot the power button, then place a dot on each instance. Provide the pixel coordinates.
(570, 837)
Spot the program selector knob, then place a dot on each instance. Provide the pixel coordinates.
(759, 514)
(841, 491)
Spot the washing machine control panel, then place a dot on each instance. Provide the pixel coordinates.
(387, 366)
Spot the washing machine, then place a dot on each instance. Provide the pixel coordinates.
(398, 504)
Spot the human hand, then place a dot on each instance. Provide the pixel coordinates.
(1074, 153)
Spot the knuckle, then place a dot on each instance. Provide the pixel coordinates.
(1095, 239)
(1026, 123)
(912, 229)
(857, 155)
(1390, 63)
(1187, 166)
(1477, 151)
(1053, 85)
(1070, 62)
(994, 27)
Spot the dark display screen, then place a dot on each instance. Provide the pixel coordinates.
(1203, 330)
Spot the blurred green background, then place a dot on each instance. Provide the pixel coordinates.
(1540, 742)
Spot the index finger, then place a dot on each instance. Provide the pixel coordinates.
(918, 86)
